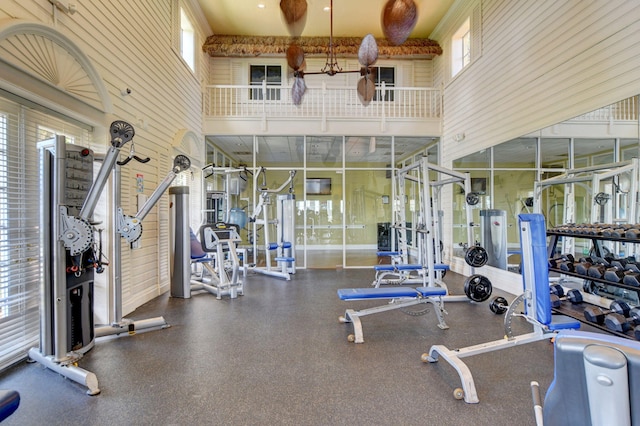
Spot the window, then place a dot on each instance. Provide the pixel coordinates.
(187, 40)
(386, 75)
(272, 74)
(461, 48)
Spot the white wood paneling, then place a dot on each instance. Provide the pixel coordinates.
(130, 45)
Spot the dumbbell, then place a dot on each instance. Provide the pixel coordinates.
(631, 278)
(622, 324)
(557, 296)
(564, 259)
(583, 265)
(633, 233)
(499, 305)
(597, 315)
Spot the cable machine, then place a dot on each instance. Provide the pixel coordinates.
(284, 244)
(72, 255)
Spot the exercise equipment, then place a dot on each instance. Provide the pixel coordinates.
(223, 275)
(400, 297)
(536, 305)
(427, 269)
(621, 323)
(9, 403)
(476, 256)
(597, 315)
(478, 288)
(284, 244)
(557, 296)
(499, 305)
(67, 330)
(615, 202)
(596, 379)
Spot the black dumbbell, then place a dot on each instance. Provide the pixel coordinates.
(614, 274)
(596, 314)
(556, 263)
(631, 279)
(633, 233)
(583, 265)
(557, 296)
(596, 271)
(499, 305)
(622, 324)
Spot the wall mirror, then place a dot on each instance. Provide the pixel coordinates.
(505, 176)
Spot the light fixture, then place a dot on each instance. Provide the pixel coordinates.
(367, 56)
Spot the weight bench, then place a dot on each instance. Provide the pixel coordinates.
(596, 381)
(537, 309)
(399, 297)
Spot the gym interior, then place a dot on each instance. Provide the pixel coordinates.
(244, 218)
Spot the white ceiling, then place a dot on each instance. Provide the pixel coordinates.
(351, 18)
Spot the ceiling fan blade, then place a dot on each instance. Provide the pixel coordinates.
(297, 90)
(293, 10)
(368, 52)
(295, 56)
(398, 19)
(366, 90)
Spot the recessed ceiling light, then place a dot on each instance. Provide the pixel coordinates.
(261, 5)
(326, 8)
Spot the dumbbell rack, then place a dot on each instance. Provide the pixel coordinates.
(577, 311)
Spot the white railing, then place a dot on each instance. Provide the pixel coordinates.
(624, 110)
(244, 101)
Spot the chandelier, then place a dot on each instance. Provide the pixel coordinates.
(398, 20)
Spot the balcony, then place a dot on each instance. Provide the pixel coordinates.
(230, 109)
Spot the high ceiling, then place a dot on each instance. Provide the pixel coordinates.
(351, 18)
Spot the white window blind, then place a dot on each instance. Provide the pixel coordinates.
(21, 265)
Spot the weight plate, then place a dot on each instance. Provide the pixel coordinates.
(478, 288)
(476, 256)
(472, 198)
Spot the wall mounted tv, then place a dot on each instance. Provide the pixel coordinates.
(318, 186)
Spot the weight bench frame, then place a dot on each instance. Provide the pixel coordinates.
(399, 297)
(537, 309)
(403, 274)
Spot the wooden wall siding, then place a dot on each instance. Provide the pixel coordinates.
(542, 62)
(129, 43)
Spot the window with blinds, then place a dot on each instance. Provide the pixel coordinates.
(21, 254)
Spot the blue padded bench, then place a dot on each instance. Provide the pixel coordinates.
(407, 296)
(389, 292)
(410, 267)
(388, 253)
(9, 402)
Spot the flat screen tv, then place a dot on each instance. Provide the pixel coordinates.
(318, 186)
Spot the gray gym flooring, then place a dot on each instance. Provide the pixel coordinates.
(279, 356)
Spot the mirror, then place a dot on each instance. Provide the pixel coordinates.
(512, 170)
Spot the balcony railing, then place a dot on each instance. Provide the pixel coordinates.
(229, 101)
(624, 110)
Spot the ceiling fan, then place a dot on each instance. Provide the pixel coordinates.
(398, 19)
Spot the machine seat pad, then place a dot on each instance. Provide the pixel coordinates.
(202, 259)
(9, 402)
(285, 259)
(388, 253)
(432, 291)
(563, 322)
(387, 292)
(401, 267)
(384, 268)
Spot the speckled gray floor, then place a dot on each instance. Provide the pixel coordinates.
(278, 356)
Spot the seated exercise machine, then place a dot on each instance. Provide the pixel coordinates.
(596, 379)
(217, 253)
(596, 382)
(221, 273)
(284, 245)
(67, 329)
(537, 309)
(428, 271)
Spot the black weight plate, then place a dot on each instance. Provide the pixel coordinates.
(478, 288)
